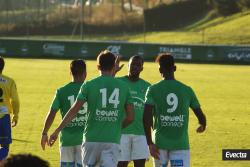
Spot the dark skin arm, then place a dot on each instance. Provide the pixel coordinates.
(202, 120)
(148, 123)
(129, 115)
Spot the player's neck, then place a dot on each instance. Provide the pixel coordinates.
(133, 78)
(169, 76)
(78, 79)
(106, 73)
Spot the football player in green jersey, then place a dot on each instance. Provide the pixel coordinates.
(71, 135)
(109, 109)
(133, 141)
(171, 100)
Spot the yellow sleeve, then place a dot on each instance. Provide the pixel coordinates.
(14, 101)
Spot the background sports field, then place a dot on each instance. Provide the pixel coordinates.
(223, 91)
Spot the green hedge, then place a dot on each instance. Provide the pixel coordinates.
(168, 17)
(229, 7)
(225, 7)
(244, 3)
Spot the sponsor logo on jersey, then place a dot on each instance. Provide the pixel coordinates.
(172, 121)
(78, 121)
(106, 116)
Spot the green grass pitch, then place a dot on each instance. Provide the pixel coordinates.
(223, 91)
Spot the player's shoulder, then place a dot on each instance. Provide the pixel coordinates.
(121, 84)
(145, 82)
(166, 83)
(184, 85)
(96, 81)
(71, 85)
(93, 81)
(153, 87)
(61, 88)
(157, 84)
(123, 78)
(121, 81)
(106, 79)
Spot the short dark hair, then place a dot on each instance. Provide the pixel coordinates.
(106, 60)
(21, 160)
(137, 57)
(1, 63)
(166, 61)
(77, 67)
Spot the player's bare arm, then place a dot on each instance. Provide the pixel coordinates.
(129, 115)
(14, 119)
(68, 117)
(16, 105)
(118, 67)
(48, 122)
(148, 123)
(202, 120)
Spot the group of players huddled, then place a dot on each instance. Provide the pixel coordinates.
(107, 121)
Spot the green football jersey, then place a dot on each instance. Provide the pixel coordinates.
(172, 100)
(65, 97)
(137, 90)
(106, 97)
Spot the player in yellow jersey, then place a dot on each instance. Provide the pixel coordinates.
(9, 103)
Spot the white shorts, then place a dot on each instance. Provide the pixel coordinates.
(133, 147)
(100, 154)
(71, 156)
(177, 158)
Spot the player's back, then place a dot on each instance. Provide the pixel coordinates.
(106, 97)
(65, 97)
(7, 91)
(172, 100)
(173, 95)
